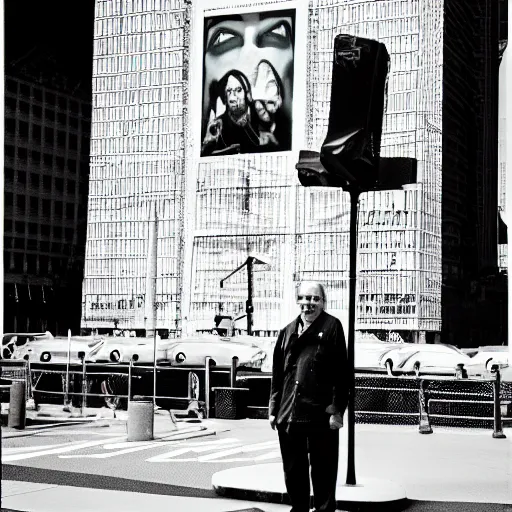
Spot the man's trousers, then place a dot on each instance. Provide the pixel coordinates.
(322, 445)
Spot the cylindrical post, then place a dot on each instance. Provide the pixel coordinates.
(207, 385)
(84, 383)
(249, 306)
(66, 395)
(498, 427)
(17, 405)
(351, 471)
(130, 379)
(232, 374)
(154, 369)
(424, 427)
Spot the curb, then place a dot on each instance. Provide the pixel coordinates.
(282, 499)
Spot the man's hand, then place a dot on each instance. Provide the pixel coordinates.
(336, 421)
(272, 420)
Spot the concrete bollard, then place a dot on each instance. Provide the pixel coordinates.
(140, 420)
(17, 405)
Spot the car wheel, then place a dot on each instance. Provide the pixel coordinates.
(180, 357)
(115, 356)
(45, 357)
(7, 351)
(389, 368)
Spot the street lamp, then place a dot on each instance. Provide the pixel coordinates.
(249, 263)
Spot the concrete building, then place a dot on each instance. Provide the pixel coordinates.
(212, 212)
(47, 126)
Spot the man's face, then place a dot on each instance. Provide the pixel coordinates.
(310, 300)
(245, 43)
(235, 97)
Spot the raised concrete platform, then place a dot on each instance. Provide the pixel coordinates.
(265, 482)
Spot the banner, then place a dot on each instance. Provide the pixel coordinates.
(248, 62)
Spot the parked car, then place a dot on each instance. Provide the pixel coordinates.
(427, 359)
(489, 355)
(192, 351)
(367, 355)
(15, 340)
(55, 349)
(118, 349)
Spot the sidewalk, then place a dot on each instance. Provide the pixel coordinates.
(451, 465)
(31, 497)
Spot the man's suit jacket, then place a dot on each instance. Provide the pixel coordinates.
(310, 373)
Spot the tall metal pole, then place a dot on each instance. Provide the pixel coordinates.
(153, 259)
(249, 307)
(66, 396)
(351, 471)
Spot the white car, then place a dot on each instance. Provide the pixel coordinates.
(193, 351)
(427, 359)
(367, 355)
(123, 349)
(489, 355)
(15, 340)
(55, 350)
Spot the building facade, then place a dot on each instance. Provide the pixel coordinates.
(212, 212)
(47, 127)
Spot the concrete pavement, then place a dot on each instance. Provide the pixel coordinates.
(33, 497)
(451, 467)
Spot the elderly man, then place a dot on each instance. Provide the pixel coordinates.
(309, 395)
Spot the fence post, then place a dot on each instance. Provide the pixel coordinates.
(207, 386)
(129, 381)
(425, 427)
(232, 374)
(498, 426)
(81, 355)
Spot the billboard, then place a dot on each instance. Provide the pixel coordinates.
(248, 62)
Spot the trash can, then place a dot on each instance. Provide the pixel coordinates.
(230, 403)
(140, 420)
(17, 405)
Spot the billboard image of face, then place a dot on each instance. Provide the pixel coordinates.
(248, 83)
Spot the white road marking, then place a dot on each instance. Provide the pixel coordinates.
(21, 449)
(146, 446)
(268, 456)
(73, 432)
(165, 457)
(240, 449)
(55, 451)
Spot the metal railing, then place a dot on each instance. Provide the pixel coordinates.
(116, 381)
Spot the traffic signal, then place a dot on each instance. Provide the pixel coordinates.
(349, 156)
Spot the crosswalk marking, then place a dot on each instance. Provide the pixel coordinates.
(54, 451)
(234, 451)
(147, 445)
(185, 448)
(22, 449)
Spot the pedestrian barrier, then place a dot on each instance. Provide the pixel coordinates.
(116, 383)
(205, 391)
(14, 370)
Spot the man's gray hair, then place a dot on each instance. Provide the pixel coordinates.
(316, 283)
